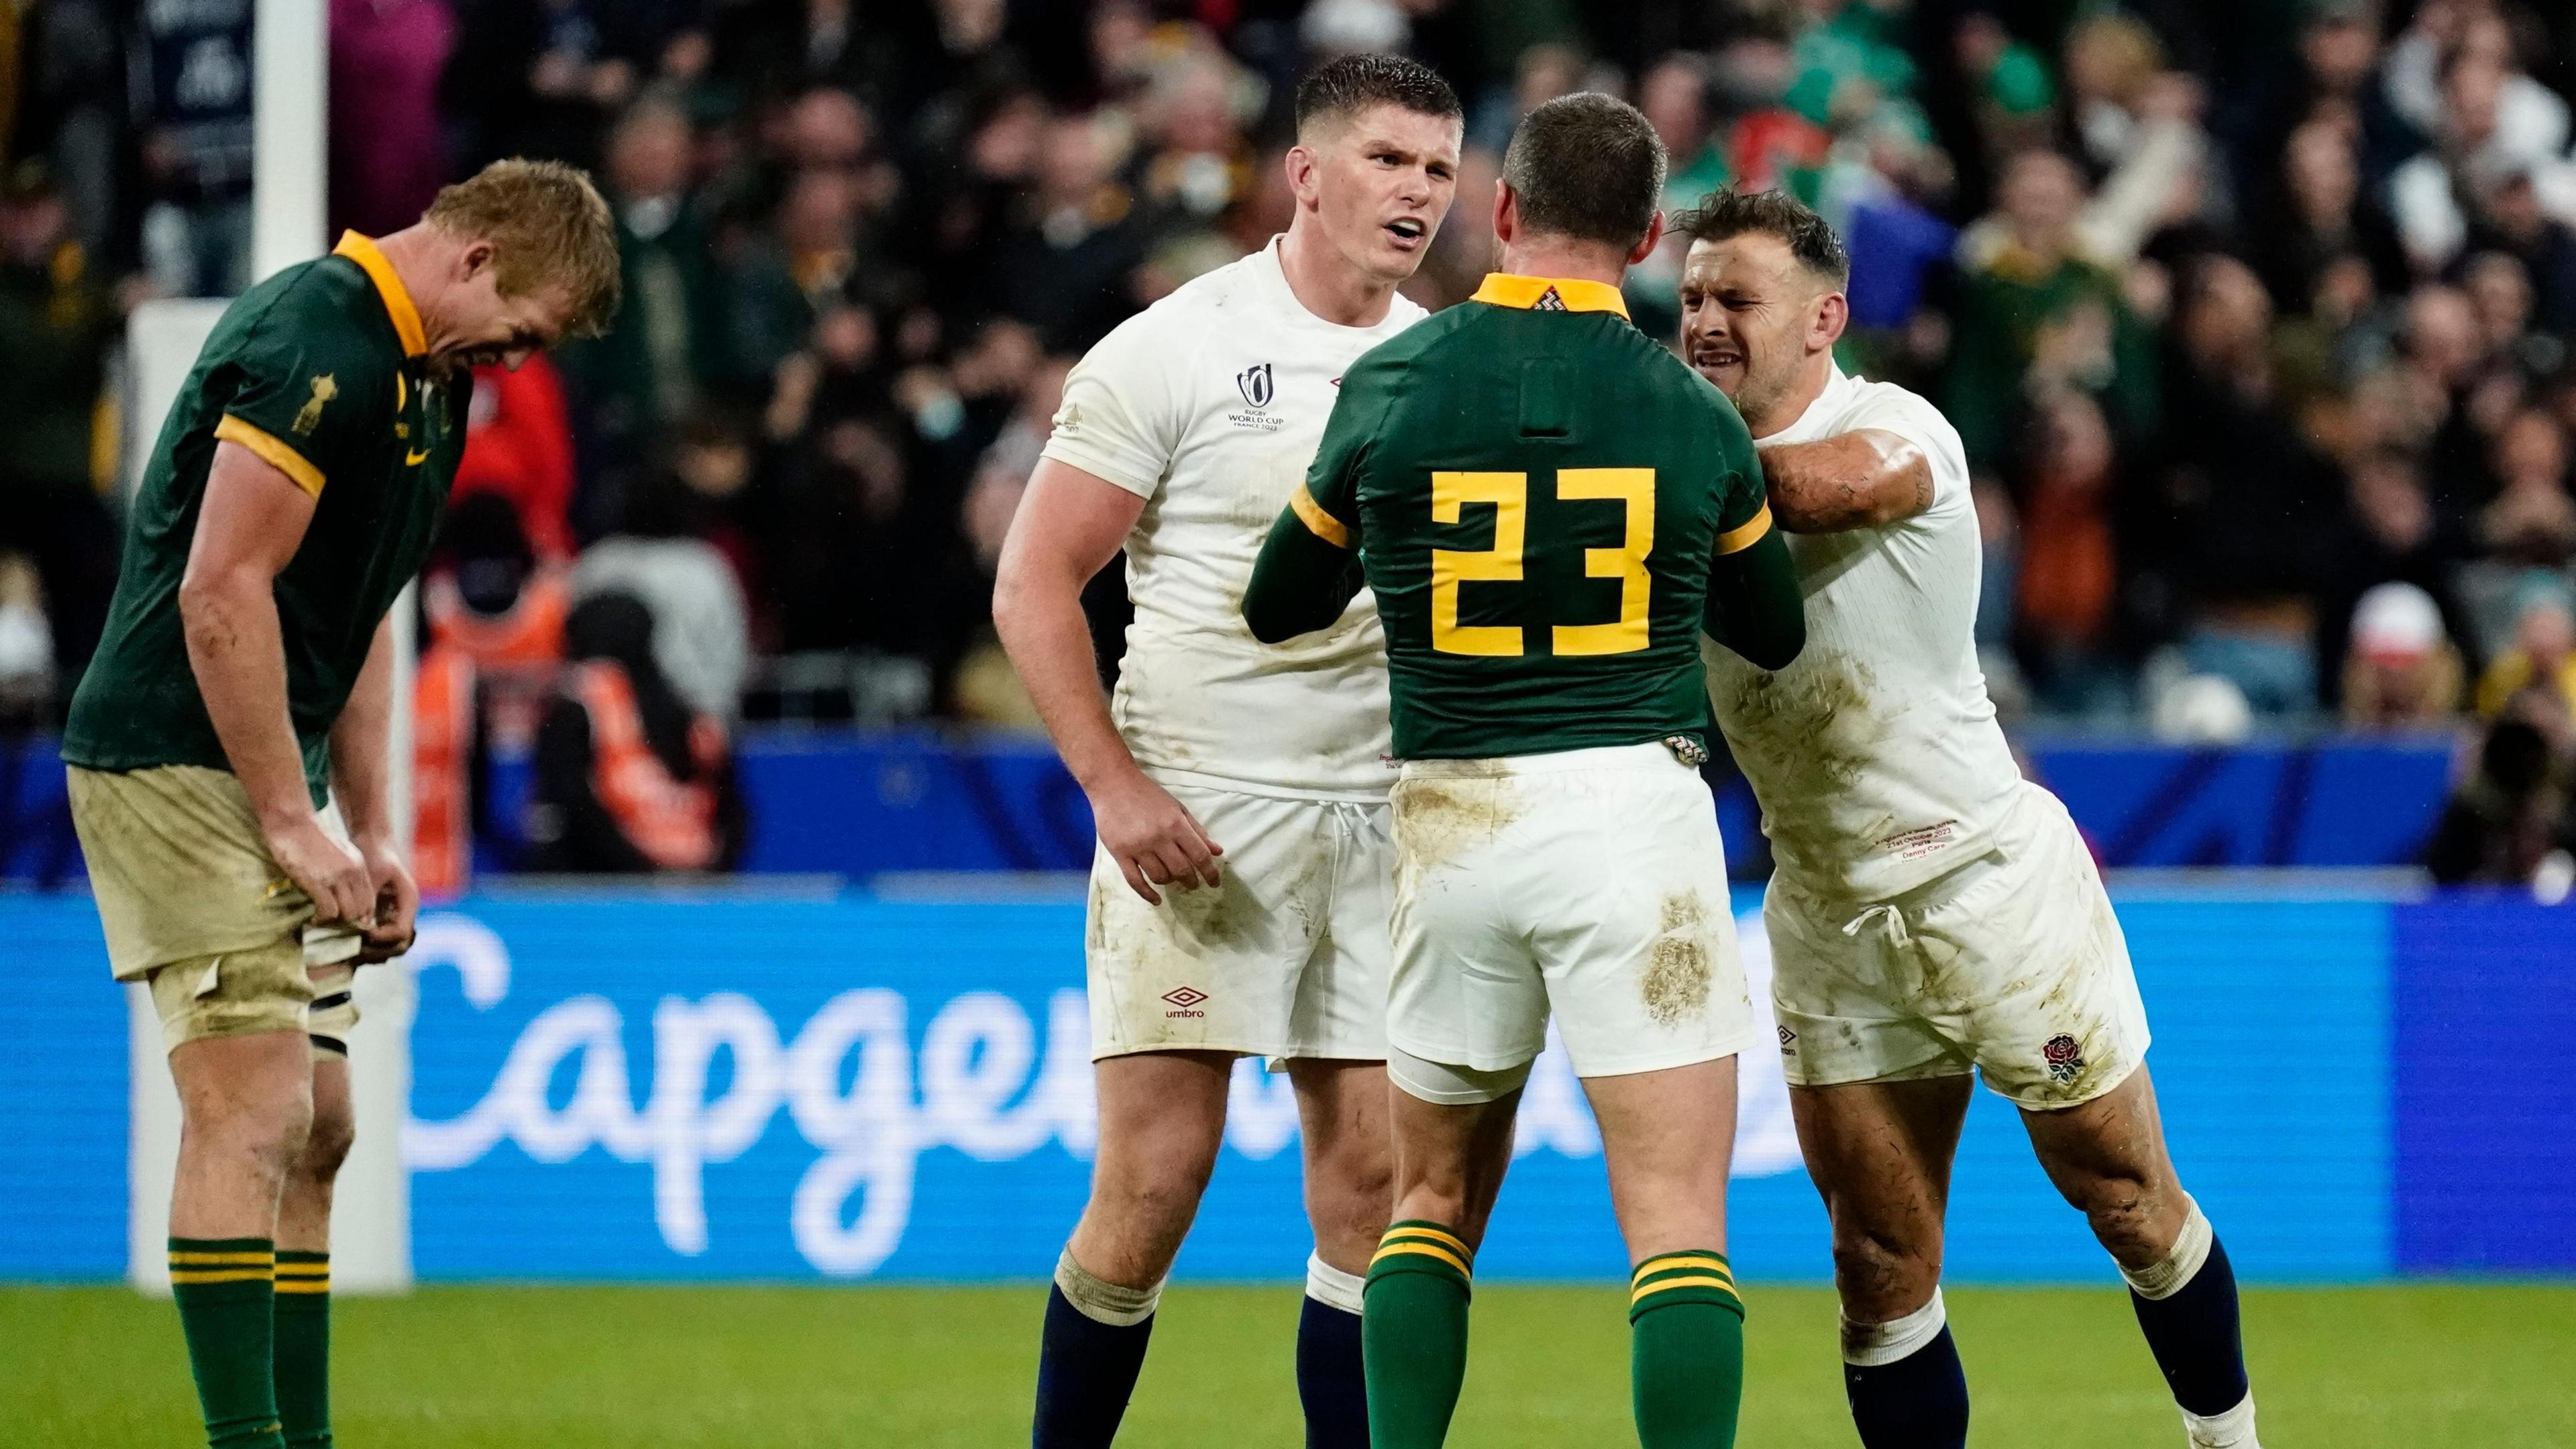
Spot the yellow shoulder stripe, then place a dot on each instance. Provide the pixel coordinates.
(234, 429)
(1428, 1250)
(1323, 525)
(1736, 540)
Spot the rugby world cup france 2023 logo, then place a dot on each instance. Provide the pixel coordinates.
(1259, 385)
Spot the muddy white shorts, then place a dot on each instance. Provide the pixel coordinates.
(2011, 965)
(1589, 885)
(1286, 959)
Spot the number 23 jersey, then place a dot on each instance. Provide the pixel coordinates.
(1537, 489)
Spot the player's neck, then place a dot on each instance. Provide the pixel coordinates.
(1793, 404)
(415, 253)
(1572, 261)
(1329, 287)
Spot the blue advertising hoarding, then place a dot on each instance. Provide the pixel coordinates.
(611, 1087)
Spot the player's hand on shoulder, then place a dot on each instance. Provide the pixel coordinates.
(325, 869)
(1154, 838)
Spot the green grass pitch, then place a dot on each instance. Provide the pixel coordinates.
(2411, 1367)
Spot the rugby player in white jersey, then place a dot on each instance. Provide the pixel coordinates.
(1239, 894)
(1933, 915)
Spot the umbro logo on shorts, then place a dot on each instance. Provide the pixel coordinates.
(1184, 999)
(1788, 1040)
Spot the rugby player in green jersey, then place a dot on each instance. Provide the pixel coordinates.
(244, 688)
(1550, 507)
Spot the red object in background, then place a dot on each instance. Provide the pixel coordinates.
(518, 444)
(442, 748)
(1767, 145)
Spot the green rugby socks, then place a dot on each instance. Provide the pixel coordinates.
(223, 1287)
(303, 1354)
(1686, 1326)
(1413, 1334)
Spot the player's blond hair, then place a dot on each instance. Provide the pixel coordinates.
(549, 227)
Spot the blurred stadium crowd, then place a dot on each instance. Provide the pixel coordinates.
(2254, 314)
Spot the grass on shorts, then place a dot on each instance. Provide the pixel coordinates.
(2491, 1366)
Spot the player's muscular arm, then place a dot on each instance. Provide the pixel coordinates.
(1754, 606)
(361, 741)
(1863, 479)
(248, 526)
(1070, 525)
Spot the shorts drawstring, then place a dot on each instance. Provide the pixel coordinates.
(1889, 915)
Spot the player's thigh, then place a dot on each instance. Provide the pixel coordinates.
(1880, 1155)
(1349, 1159)
(1668, 1138)
(1213, 968)
(1627, 910)
(1846, 993)
(1464, 989)
(1161, 1121)
(2027, 967)
(2108, 1155)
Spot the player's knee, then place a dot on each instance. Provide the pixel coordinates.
(264, 1134)
(2125, 1214)
(1152, 1196)
(1883, 1271)
(327, 1144)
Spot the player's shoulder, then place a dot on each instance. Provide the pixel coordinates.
(1870, 403)
(312, 311)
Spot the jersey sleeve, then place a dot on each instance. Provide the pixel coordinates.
(1328, 502)
(1890, 409)
(1123, 412)
(305, 399)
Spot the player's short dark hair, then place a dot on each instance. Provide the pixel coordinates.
(1349, 84)
(1727, 212)
(1586, 166)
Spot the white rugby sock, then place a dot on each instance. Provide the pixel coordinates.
(2165, 1278)
(2231, 1430)
(1875, 1345)
(1102, 1301)
(1331, 1286)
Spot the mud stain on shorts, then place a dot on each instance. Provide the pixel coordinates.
(1675, 984)
(1439, 821)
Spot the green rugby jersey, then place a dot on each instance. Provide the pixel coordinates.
(321, 371)
(1537, 491)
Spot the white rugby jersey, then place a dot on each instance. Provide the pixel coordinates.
(1210, 405)
(1875, 754)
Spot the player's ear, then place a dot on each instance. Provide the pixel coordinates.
(1300, 165)
(1654, 238)
(476, 259)
(1833, 314)
(1507, 215)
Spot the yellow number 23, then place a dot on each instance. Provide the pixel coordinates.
(1509, 495)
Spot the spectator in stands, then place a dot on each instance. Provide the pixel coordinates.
(518, 447)
(2401, 671)
(646, 371)
(2532, 520)
(57, 322)
(2035, 305)
(387, 155)
(2318, 214)
(1067, 262)
(2542, 656)
(2506, 820)
(629, 779)
(2067, 579)
(701, 626)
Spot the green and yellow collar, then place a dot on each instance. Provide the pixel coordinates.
(1550, 294)
(398, 304)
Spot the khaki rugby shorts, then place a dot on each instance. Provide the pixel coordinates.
(191, 902)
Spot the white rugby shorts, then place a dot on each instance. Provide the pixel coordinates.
(1285, 959)
(1587, 884)
(2011, 965)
